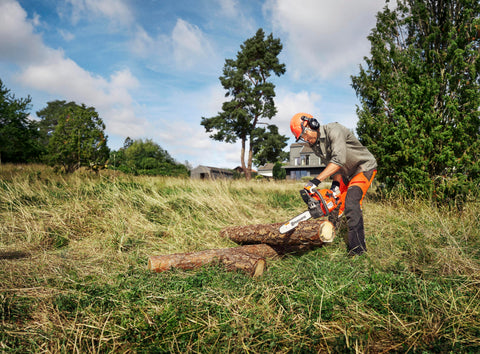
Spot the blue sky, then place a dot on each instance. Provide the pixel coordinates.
(151, 67)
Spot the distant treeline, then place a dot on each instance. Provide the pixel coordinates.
(70, 136)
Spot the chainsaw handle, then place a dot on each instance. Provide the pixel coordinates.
(324, 203)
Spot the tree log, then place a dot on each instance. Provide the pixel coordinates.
(308, 234)
(250, 259)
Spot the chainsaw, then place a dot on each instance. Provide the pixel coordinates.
(320, 203)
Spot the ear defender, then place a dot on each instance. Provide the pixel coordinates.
(312, 122)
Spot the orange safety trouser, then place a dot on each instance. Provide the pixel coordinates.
(351, 199)
(360, 180)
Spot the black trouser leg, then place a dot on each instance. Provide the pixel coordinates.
(353, 212)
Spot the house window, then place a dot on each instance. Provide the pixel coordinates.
(299, 174)
(305, 160)
(297, 161)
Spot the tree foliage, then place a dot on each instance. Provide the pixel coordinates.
(75, 134)
(18, 134)
(146, 158)
(268, 145)
(49, 118)
(420, 96)
(278, 172)
(246, 80)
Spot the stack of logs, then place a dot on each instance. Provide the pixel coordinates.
(257, 244)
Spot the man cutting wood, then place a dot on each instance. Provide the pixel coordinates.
(350, 165)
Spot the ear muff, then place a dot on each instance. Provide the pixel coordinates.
(312, 123)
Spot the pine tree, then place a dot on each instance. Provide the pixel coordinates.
(246, 80)
(420, 97)
(268, 145)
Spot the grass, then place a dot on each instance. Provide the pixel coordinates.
(73, 278)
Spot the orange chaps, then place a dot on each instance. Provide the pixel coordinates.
(351, 205)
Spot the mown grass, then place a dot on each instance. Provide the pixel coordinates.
(73, 278)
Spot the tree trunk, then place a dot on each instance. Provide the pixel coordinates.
(246, 172)
(250, 156)
(307, 235)
(250, 259)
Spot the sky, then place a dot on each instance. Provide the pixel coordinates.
(151, 68)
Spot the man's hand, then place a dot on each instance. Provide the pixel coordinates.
(335, 188)
(311, 185)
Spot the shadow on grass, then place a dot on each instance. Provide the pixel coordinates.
(14, 254)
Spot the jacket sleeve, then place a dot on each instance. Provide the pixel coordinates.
(338, 145)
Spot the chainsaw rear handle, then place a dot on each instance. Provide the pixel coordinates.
(314, 203)
(324, 203)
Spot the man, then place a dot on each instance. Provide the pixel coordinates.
(349, 163)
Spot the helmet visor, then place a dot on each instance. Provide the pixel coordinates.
(300, 136)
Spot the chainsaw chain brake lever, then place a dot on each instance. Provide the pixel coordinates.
(313, 205)
(304, 194)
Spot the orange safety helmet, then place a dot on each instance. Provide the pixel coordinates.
(300, 121)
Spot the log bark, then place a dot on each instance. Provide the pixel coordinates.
(250, 259)
(308, 234)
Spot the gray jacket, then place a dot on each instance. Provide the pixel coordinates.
(337, 144)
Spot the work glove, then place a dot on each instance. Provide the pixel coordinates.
(335, 188)
(312, 185)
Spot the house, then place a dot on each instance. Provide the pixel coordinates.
(204, 172)
(303, 162)
(266, 170)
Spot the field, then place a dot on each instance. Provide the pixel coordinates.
(73, 277)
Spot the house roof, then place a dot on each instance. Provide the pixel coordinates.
(306, 149)
(266, 167)
(206, 169)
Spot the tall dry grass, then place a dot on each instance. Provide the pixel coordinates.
(108, 215)
(73, 278)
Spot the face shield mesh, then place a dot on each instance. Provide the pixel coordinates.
(301, 134)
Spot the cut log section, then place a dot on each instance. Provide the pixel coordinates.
(308, 234)
(250, 259)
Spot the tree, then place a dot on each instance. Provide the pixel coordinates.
(268, 145)
(49, 118)
(246, 81)
(18, 134)
(420, 96)
(147, 158)
(278, 172)
(78, 137)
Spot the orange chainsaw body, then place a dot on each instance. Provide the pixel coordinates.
(320, 202)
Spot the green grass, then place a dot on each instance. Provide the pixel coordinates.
(73, 277)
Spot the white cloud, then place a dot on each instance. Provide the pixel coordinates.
(66, 35)
(186, 48)
(48, 70)
(189, 44)
(288, 103)
(62, 77)
(323, 38)
(176, 127)
(228, 8)
(142, 44)
(18, 41)
(182, 139)
(36, 20)
(233, 17)
(116, 11)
